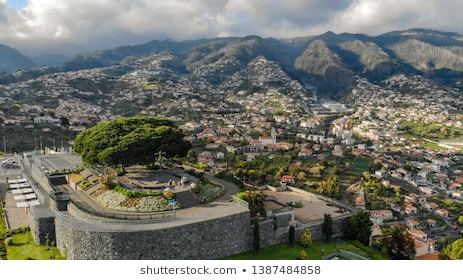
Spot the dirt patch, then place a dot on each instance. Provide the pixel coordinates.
(98, 192)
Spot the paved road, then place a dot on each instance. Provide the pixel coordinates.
(230, 188)
(448, 233)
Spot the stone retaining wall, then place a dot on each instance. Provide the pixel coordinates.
(339, 224)
(42, 224)
(211, 239)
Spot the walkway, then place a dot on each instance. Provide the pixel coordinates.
(230, 188)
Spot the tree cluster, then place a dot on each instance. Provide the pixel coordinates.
(131, 140)
(359, 227)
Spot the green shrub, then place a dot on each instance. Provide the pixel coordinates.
(2, 251)
(302, 255)
(306, 238)
(132, 194)
(295, 204)
(9, 241)
(454, 250)
(18, 230)
(199, 165)
(85, 184)
(327, 227)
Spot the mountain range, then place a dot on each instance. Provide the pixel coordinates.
(11, 59)
(328, 61)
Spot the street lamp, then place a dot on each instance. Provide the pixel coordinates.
(34, 133)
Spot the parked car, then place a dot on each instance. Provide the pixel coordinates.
(8, 160)
(11, 165)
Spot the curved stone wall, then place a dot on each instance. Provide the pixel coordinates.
(211, 239)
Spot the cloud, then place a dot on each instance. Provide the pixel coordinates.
(69, 26)
(377, 16)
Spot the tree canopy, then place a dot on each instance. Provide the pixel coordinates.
(454, 250)
(327, 226)
(130, 140)
(398, 243)
(359, 227)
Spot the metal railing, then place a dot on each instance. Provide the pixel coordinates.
(159, 216)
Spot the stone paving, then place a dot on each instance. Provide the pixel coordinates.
(313, 209)
(58, 162)
(16, 217)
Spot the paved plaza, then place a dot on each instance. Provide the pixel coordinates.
(313, 209)
(59, 162)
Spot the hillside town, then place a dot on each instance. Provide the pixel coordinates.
(392, 148)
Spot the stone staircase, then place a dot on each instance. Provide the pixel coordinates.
(186, 199)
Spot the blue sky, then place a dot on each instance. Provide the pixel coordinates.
(17, 4)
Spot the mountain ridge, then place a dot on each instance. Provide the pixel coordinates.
(328, 61)
(11, 59)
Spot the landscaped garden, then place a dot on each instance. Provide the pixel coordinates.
(127, 201)
(316, 251)
(207, 191)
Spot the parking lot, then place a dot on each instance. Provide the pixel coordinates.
(59, 162)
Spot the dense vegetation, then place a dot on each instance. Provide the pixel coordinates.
(131, 140)
(319, 177)
(398, 243)
(255, 200)
(359, 227)
(3, 231)
(454, 250)
(431, 130)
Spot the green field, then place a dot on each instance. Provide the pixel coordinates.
(24, 248)
(315, 252)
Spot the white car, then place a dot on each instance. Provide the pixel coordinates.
(9, 161)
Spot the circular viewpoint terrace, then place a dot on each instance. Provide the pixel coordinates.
(195, 226)
(84, 228)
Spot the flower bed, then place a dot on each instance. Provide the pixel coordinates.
(115, 200)
(207, 191)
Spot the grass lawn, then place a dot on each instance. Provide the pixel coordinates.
(315, 252)
(3, 232)
(24, 248)
(360, 165)
(2, 222)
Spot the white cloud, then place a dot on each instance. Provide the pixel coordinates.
(75, 26)
(377, 16)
